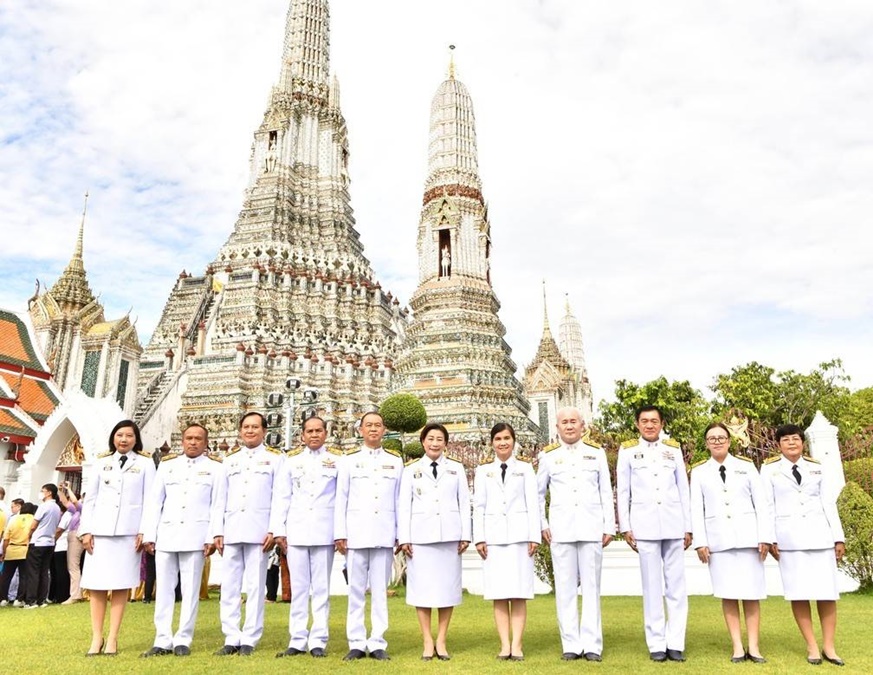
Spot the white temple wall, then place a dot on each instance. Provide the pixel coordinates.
(164, 421)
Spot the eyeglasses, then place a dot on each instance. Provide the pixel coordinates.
(717, 440)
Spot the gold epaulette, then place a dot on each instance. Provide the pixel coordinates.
(275, 451)
(105, 454)
(631, 443)
(215, 457)
(745, 459)
(551, 447)
(233, 450)
(352, 452)
(411, 461)
(295, 451)
(774, 458)
(696, 464)
(671, 443)
(453, 459)
(590, 443)
(143, 454)
(523, 458)
(170, 455)
(487, 459)
(336, 451)
(810, 459)
(393, 452)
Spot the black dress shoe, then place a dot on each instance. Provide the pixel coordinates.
(354, 655)
(675, 655)
(739, 659)
(813, 662)
(443, 657)
(658, 656)
(755, 659)
(246, 650)
(837, 661)
(317, 652)
(381, 655)
(99, 650)
(227, 650)
(516, 657)
(500, 657)
(569, 656)
(291, 651)
(156, 651)
(592, 656)
(182, 650)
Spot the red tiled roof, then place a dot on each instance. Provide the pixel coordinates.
(11, 425)
(35, 397)
(15, 346)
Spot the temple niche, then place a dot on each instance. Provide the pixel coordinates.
(455, 358)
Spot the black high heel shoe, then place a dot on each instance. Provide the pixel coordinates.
(115, 653)
(99, 650)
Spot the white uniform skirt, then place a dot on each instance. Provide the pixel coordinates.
(433, 575)
(114, 564)
(508, 572)
(737, 574)
(809, 575)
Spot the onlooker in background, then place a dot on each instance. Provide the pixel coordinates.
(15, 542)
(59, 583)
(74, 546)
(3, 505)
(42, 547)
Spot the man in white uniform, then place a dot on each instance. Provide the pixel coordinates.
(365, 528)
(307, 490)
(580, 523)
(654, 515)
(179, 529)
(245, 534)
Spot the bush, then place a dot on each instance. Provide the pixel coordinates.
(543, 557)
(413, 450)
(860, 471)
(856, 513)
(403, 413)
(392, 444)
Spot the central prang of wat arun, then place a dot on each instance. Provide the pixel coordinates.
(291, 295)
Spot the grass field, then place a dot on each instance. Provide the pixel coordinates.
(54, 639)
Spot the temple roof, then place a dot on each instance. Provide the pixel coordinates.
(570, 334)
(35, 396)
(71, 290)
(12, 425)
(548, 349)
(17, 345)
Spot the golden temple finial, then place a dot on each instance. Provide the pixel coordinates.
(79, 240)
(567, 303)
(451, 62)
(545, 310)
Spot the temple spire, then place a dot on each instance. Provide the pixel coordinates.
(570, 336)
(71, 290)
(546, 330)
(306, 50)
(451, 73)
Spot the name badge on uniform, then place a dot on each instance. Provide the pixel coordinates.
(667, 454)
(267, 463)
(518, 473)
(742, 472)
(329, 464)
(815, 473)
(387, 467)
(134, 470)
(203, 473)
(588, 457)
(452, 472)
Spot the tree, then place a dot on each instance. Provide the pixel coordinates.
(403, 413)
(686, 411)
(856, 514)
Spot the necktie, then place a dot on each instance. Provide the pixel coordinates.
(434, 465)
(796, 473)
(503, 472)
(123, 459)
(721, 471)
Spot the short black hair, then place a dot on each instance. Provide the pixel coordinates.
(716, 425)
(789, 430)
(137, 447)
(372, 412)
(314, 417)
(197, 425)
(251, 414)
(433, 426)
(649, 408)
(502, 426)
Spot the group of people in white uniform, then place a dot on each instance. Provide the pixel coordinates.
(366, 505)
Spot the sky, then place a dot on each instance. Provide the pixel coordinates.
(693, 177)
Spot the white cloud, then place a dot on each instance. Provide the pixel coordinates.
(694, 175)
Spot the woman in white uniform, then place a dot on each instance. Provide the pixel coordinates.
(120, 483)
(808, 540)
(731, 529)
(506, 529)
(433, 530)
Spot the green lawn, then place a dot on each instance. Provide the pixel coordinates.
(54, 639)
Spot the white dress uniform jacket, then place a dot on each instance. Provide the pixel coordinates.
(368, 486)
(581, 506)
(653, 494)
(248, 495)
(506, 511)
(729, 514)
(307, 494)
(115, 496)
(432, 510)
(804, 520)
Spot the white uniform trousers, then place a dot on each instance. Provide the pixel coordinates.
(309, 567)
(662, 566)
(245, 570)
(363, 564)
(578, 563)
(188, 566)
